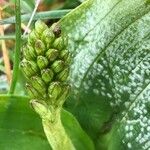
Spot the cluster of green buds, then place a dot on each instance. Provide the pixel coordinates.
(45, 64)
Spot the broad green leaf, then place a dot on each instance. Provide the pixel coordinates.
(110, 43)
(20, 127)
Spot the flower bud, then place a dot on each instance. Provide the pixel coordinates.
(59, 43)
(68, 59)
(48, 37)
(29, 52)
(42, 109)
(63, 75)
(29, 68)
(39, 85)
(42, 62)
(33, 93)
(64, 54)
(54, 90)
(58, 66)
(56, 29)
(47, 75)
(32, 37)
(51, 54)
(40, 27)
(63, 95)
(40, 47)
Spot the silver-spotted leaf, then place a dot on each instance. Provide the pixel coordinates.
(110, 72)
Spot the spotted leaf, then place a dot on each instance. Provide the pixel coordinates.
(110, 72)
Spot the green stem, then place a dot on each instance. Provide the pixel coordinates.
(52, 125)
(17, 48)
(56, 135)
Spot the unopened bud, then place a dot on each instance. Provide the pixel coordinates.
(41, 108)
(59, 43)
(63, 75)
(51, 54)
(32, 37)
(40, 27)
(48, 37)
(63, 96)
(56, 29)
(58, 66)
(68, 59)
(33, 93)
(39, 85)
(47, 75)
(64, 54)
(29, 68)
(40, 47)
(54, 90)
(42, 62)
(29, 52)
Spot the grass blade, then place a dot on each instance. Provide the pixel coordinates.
(7, 37)
(17, 48)
(55, 14)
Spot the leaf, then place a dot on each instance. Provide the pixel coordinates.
(20, 127)
(54, 14)
(27, 6)
(110, 43)
(78, 136)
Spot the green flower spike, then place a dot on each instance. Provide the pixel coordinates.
(46, 66)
